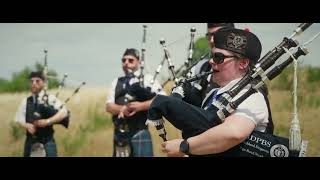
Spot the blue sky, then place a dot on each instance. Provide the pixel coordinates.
(92, 52)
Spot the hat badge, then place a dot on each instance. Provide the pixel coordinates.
(236, 41)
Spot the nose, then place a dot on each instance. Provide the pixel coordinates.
(212, 39)
(214, 66)
(211, 62)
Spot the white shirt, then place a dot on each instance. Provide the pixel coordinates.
(156, 87)
(52, 100)
(253, 108)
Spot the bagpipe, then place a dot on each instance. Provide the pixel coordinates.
(169, 61)
(184, 69)
(192, 120)
(175, 74)
(46, 106)
(136, 92)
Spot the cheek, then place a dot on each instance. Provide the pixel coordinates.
(134, 64)
(225, 69)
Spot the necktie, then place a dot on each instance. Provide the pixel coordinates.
(214, 96)
(126, 82)
(35, 99)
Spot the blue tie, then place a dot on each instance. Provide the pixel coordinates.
(213, 97)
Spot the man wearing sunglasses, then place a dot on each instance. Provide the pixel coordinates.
(39, 131)
(234, 53)
(128, 102)
(198, 90)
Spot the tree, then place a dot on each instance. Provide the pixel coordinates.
(201, 47)
(19, 80)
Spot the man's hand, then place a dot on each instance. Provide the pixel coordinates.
(132, 108)
(41, 123)
(30, 128)
(124, 112)
(136, 107)
(172, 148)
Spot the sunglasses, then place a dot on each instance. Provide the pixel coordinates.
(37, 81)
(129, 59)
(219, 58)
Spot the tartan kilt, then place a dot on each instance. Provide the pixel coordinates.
(141, 144)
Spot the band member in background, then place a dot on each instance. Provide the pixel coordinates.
(129, 104)
(39, 130)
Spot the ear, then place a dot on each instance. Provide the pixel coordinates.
(243, 64)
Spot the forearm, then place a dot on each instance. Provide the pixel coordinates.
(23, 124)
(146, 105)
(212, 141)
(114, 109)
(59, 116)
(223, 137)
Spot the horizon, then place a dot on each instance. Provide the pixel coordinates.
(91, 52)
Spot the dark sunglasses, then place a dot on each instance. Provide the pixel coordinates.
(37, 81)
(129, 59)
(218, 57)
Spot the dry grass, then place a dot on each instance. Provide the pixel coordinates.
(73, 141)
(8, 104)
(98, 141)
(281, 105)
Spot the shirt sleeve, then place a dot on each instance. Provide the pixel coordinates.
(255, 109)
(20, 116)
(111, 92)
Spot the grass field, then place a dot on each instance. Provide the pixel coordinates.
(90, 132)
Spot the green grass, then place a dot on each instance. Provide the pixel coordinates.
(97, 121)
(16, 132)
(72, 145)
